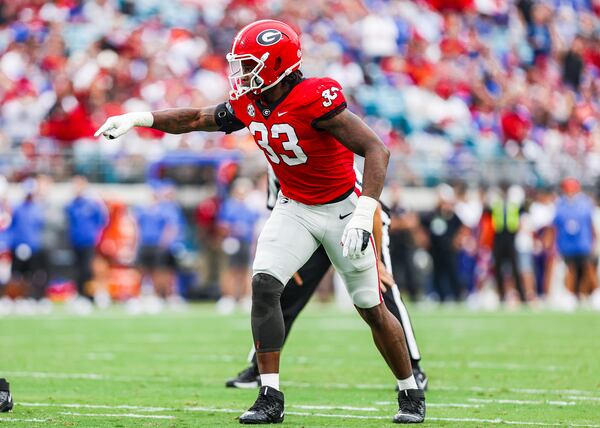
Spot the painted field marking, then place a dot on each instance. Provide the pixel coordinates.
(468, 420)
(9, 419)
(460, 405)
(96, 406)
(521, 402)
(53, 375)
(351, 408)
(436, 387)
(307, 414)
(83, 376)
(575, 397)
(117, 415)
(493, 365)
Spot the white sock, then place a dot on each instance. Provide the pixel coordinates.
(272, 380)
(408, 383)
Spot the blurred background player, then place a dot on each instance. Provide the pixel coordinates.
(404, 233)
(542, 213)
(506, 217)
(444, 230)
(575, 237)
(302, 286)
(236, 222)
(86, 217)
(157, 230)
(5, 236)
(29, 264)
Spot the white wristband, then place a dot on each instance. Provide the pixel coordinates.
(363, 213)
(142, 118)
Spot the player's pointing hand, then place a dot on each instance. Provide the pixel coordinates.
(115, 126)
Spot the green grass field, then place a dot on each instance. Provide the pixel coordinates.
(115, 370)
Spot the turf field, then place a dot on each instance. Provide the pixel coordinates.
(115, 370)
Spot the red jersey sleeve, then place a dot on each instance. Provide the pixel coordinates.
(325, 100)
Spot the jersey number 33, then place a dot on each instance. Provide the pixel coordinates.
(294, 155)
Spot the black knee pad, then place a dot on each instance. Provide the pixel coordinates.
(267, 320)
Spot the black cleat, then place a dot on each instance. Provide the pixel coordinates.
(267, 409)
(412, 407)
(6, 402)
(246, 379)
(421, 379)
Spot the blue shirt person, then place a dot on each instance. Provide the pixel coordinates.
(239, 219)
(86, 217)
(573, 224)
(152, 221)
(29, 267)
(27, 225)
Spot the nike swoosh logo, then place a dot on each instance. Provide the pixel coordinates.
(281, 113)
(344, 216)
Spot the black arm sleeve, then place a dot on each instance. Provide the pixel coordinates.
(226, 120)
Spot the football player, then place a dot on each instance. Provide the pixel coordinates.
(301, 287)
(309, 138)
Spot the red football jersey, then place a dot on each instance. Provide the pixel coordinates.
(311, 165)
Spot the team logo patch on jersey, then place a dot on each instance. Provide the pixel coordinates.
(251, 111)
(266, 112)
(268, 37)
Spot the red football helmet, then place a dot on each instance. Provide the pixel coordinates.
(262, 54)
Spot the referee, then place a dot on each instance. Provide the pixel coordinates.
(303, 284)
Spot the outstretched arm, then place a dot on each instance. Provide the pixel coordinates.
(182, 120)
(174, 121)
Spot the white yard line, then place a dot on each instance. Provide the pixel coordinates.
(504, 421)
(468, 420)
(97, 406)
(522, 402)
(389, 386)
(575, 397)
(293, 413)
(493, 365)
(83, 376)
(355, 409)
(117, 415)
(436, 387)
(53, 375)
(9, 419)
(552, 391)
(460, 405)
(329, 415)
(213, 409)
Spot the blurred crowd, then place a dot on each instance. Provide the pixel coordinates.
(457, 88)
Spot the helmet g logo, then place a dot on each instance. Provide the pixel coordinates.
(268, 37)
